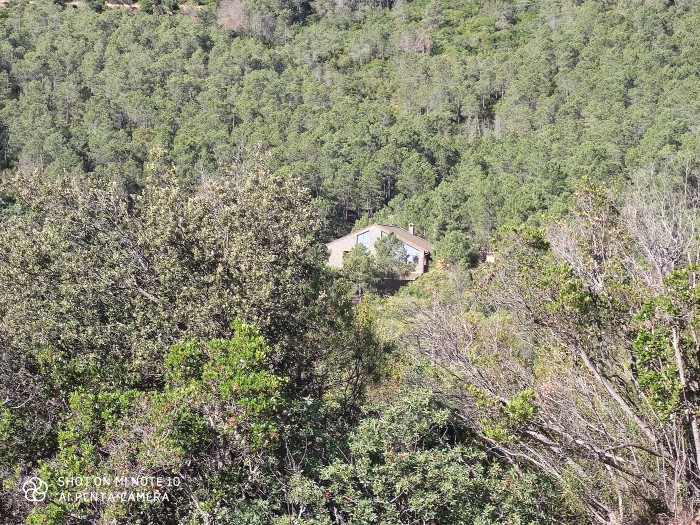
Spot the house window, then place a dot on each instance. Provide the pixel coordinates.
(363, 239)
(413, 255)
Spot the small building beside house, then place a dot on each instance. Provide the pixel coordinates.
(418, 249)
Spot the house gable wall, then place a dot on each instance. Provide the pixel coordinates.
(339, 247)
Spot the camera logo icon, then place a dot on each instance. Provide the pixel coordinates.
(35, 489)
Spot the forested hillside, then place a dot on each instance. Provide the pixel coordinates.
(427, 113)
(169, 175)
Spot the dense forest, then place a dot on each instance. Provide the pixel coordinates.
(169, 175)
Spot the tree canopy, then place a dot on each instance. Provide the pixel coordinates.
(460, 117)
(170, 172)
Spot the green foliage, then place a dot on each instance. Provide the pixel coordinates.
(393, 261)
(141, 240)
(97, 280)
(360, 268)
(505, 419)
(667, 325)
(460, 117)
(409, 464)
(658, 375)
(97, 283)
(146, 6)
(577, 348)
(226, 407)
(368, 271)
(457, 247)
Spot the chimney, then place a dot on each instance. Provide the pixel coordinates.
(411, 227)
